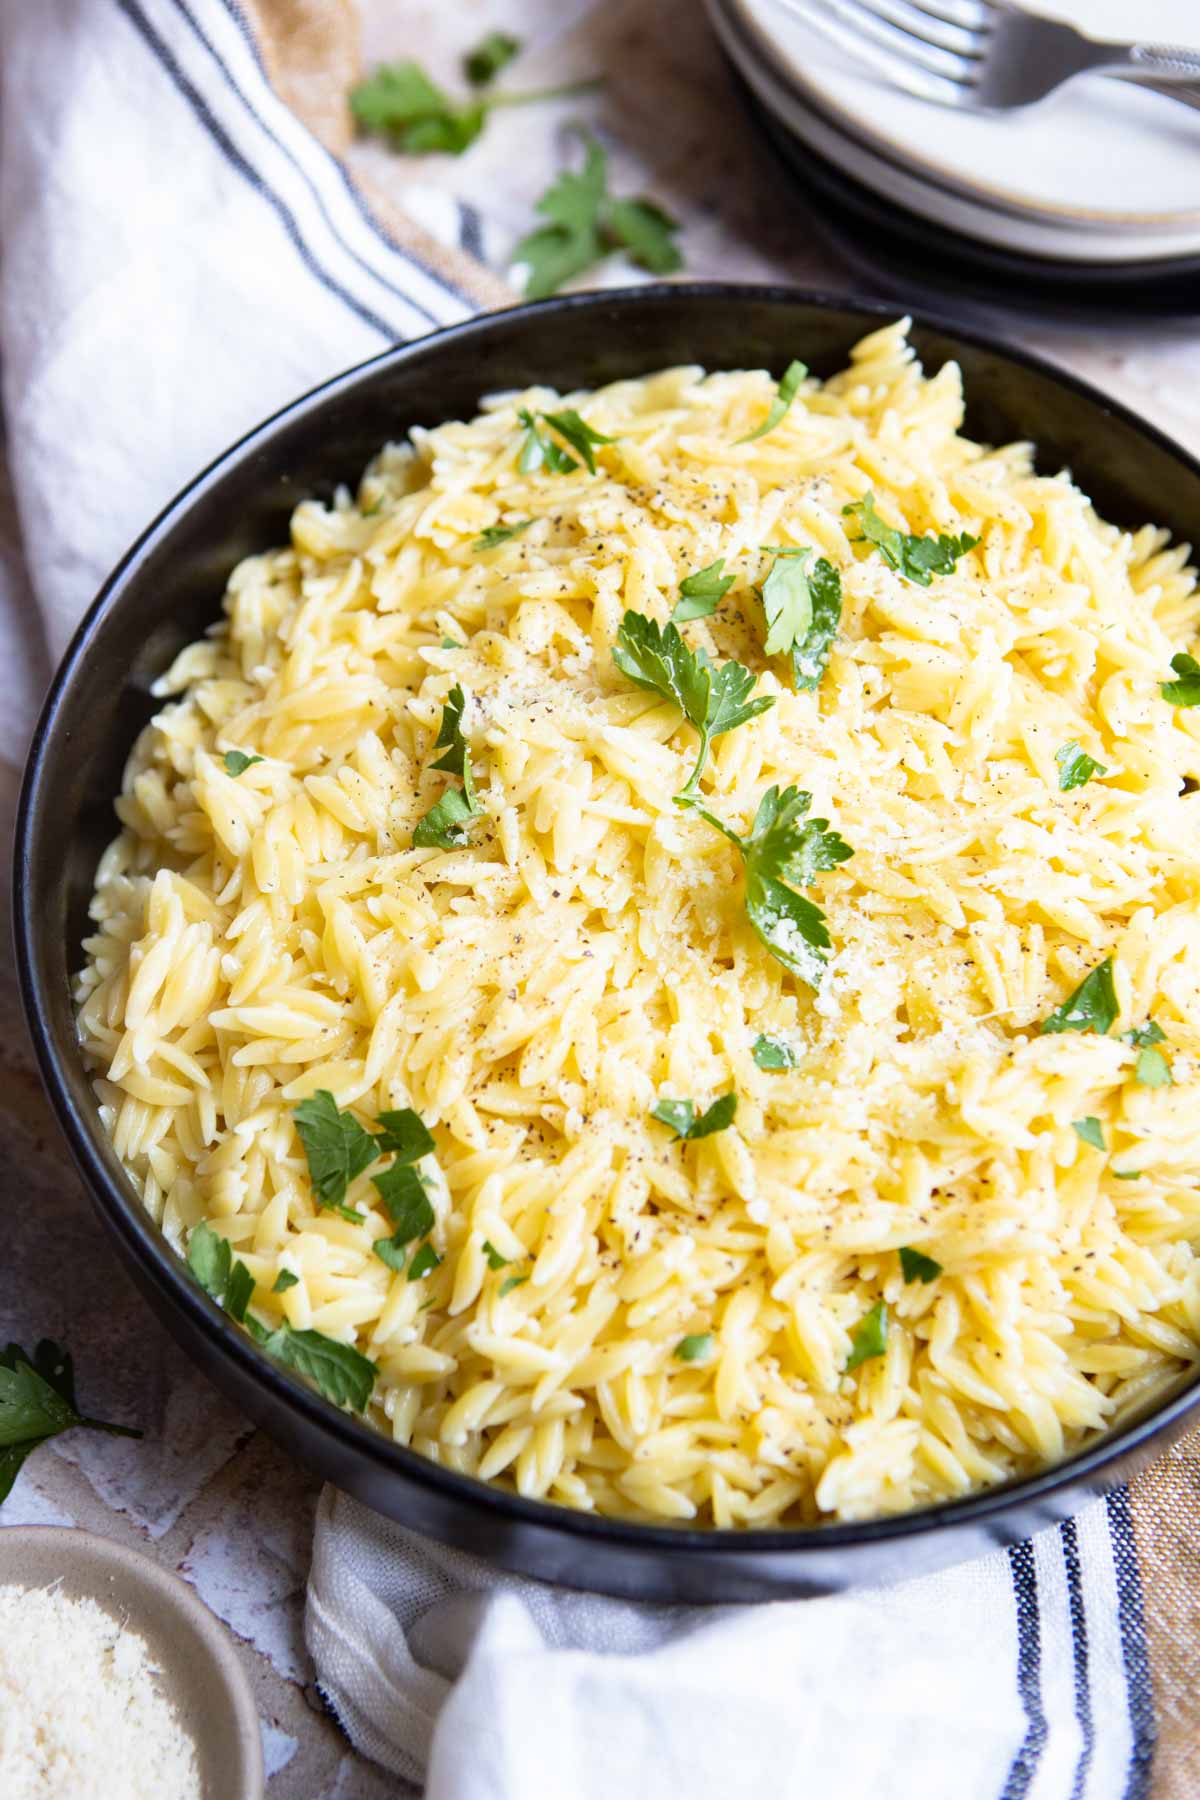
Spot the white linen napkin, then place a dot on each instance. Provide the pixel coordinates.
(178, 258)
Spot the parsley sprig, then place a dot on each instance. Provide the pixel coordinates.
(444, 825)
(541, 451)
(587, 223)
(780, 854)
(918, 559)
(1075, 766)
(713, 697)
(400, 101)
(342, 1373)
(338, 1149)
(37, 1402)
(802, 606)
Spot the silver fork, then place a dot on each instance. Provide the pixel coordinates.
(987, 54)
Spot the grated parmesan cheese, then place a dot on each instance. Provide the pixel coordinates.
(81, 1715)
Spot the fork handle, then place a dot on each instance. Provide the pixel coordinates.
(1172, 90)
(1158, 62)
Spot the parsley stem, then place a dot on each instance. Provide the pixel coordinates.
(686, 795)
(530, 95)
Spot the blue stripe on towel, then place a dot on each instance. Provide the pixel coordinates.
(1132, 1621)
(1029, 1660)
(1069, 1540)
(162, 54)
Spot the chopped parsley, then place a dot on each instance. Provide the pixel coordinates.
(539, 450)
(918, 559)
(445, 824)
(697, 1347)
(683, 1119)
(1090, 1131)
(340, 1371)
(701, 594)
(337, 1149)
(785, 393)
(1185, 689)
(1152, 1068)
(424, 1261)
(713, 697)
(579, 434)
(511, 1282)
(916, 1266)
(802, 604)
(586, 224)
(37, 1402)
(493, 53)
(449, 643)
(494, 1258)
(283, 1281)
(781, 854)
(488, 539)
(773, 1053)
(1075, 766)
(238, 761)
(405, 1135)
(1092, 1007)
(403, 1192)
(870, 1337)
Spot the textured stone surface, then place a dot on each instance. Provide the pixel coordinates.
(202, 1492)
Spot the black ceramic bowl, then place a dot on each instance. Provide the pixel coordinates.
(169, 588)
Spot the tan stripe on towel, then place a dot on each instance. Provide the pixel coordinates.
(1166, 1524)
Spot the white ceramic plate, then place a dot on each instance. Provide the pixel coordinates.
(1100, 171)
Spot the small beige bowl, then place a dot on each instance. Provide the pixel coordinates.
(201, 1675)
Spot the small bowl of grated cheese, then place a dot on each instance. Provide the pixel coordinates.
(116, 1683)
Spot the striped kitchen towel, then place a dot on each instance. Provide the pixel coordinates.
(183, 252)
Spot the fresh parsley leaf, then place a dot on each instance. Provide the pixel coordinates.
(402, 1191)
(488, 539)
(772, 1053)
(424, 1261)
(283, 1281)
(493, 53)
(336, 1147)
(239, 1291)
(870, 1337)
(511, 1282)
(238, 761)
(539, 450)
(786, 392)
(695, 1348)
(401, 102)
(1185, 691)
(579, 434)
(340, 1371)
(210, 1259)
(714, 698)
(393, 1254)
(1075, 766)
(918, 559)
(780, 850)
(37, 1402)
(802, 603)
(916, 1266)
(1092, 1007)
(444, 825)
(685, 1122)
(494, 1258)
(1153, 1070)
(404, 1135)
(701, 594)
(1090, 1131)
(586, 224)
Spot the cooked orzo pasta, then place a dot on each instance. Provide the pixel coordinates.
(716, 1220)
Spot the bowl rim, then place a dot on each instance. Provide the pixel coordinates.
(142, 1240)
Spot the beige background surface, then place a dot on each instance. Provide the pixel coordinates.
(204, 1493)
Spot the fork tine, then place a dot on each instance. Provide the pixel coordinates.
(901, 71)
(930, 27)
(972, 15)
(862, 17)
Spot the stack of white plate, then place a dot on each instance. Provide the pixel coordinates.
(1102, 175)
